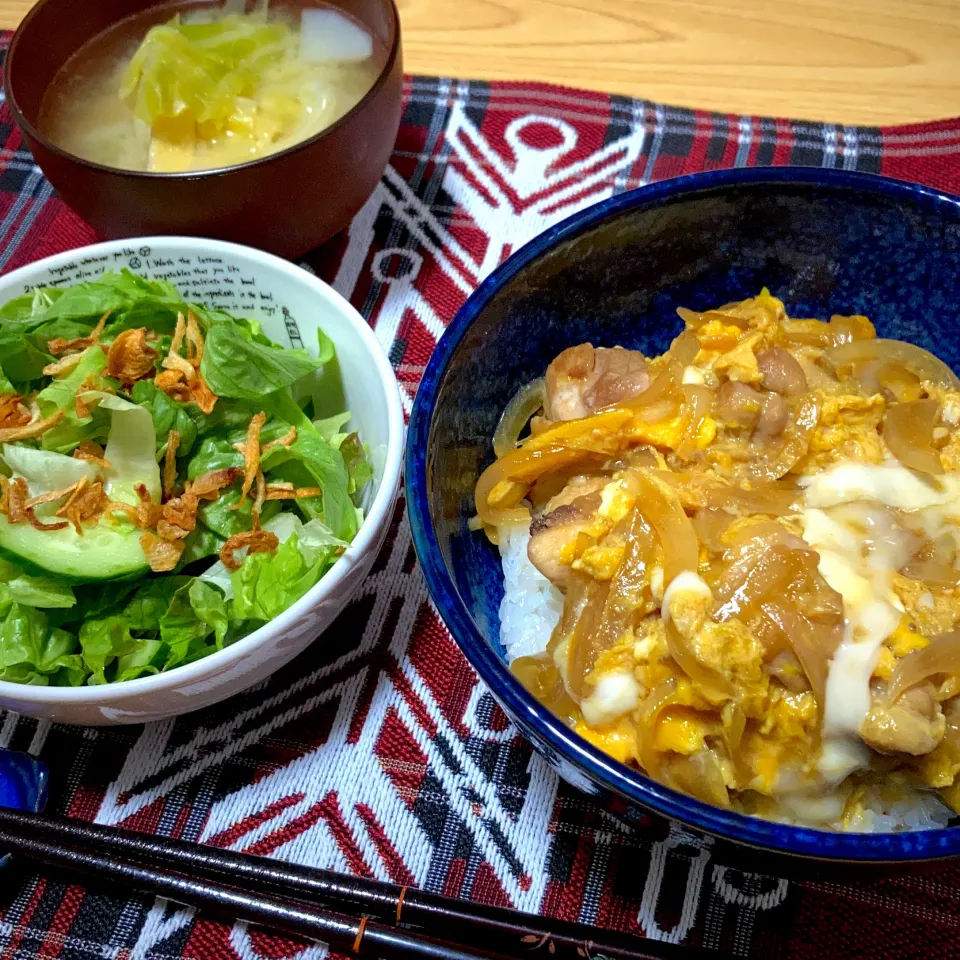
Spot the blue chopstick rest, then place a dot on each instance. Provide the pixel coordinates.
(23, 784)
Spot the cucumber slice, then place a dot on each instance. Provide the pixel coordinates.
(104, 552)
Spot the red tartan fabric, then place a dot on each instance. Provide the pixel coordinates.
(378, 751)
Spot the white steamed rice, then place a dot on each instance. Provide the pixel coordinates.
(531, 608)
(531, 605)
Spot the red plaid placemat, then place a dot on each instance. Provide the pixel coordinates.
(378, 751)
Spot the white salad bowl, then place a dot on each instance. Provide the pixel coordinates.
(290, 304)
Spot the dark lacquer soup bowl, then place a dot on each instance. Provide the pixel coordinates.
(286, 203)
(824, 241)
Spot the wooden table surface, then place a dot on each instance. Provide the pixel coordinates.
(846, 61)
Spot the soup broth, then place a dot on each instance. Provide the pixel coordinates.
(305, 67)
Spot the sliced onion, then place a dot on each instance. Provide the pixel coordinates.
(522, 406)
(660, 411)
(521, 467)
(698, 491)
(582, 650)
(767, 535)
(941, 655)
(854, 327)
(914, 358)
(792, 447)
(499, 514)
(886, 376)
(759, 560)
(814, 646)
(810, 333)
(666, 385)
(734, 725)
(618, 601)
(701, 776)
(698, 405)
(695, 321)
(932, 572)
(772, 573)
(660, 697)
(684, 348)
(777, 497)
(661, 508)
(908, 432)
(817, 333)
(710, 526)
(599, 431)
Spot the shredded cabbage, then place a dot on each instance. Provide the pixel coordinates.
(203, 70)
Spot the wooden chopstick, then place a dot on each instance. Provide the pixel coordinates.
(256, 882)
(355, 935)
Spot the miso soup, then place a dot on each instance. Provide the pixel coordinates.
(204, 87)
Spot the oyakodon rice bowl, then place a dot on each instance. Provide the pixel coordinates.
(735, 565)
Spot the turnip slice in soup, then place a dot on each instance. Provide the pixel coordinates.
(327, 36)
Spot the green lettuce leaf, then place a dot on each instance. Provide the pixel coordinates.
(117, 292)
(28, 310)
(31, 652)
(197, 610)
(330, 428)
(220, 517)
(20, 359)
(354, 454)
(63, 392)
(325, 348)
(131, 450)
(200, 544)
(41, 592)
(167, 414)
(94, 602)
(45, 470)
(236, 365)
(316, 543)
(61, 395)
(310, 458)
(147, 606)
(215, 453)
(267, 584)
(111, 653)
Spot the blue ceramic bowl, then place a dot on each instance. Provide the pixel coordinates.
(825, 241)
(23, 784)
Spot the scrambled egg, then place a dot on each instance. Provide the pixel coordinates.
(848, 431)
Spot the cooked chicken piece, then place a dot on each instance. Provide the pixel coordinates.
(575, 488)
(788, 670)
(914, 724)
(583, 379)
(564, 517)
(773, 419)
(781, 372)
(739, 405)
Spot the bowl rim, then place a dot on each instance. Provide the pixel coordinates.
(19, 117)
(376, 516)
(532, 718)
